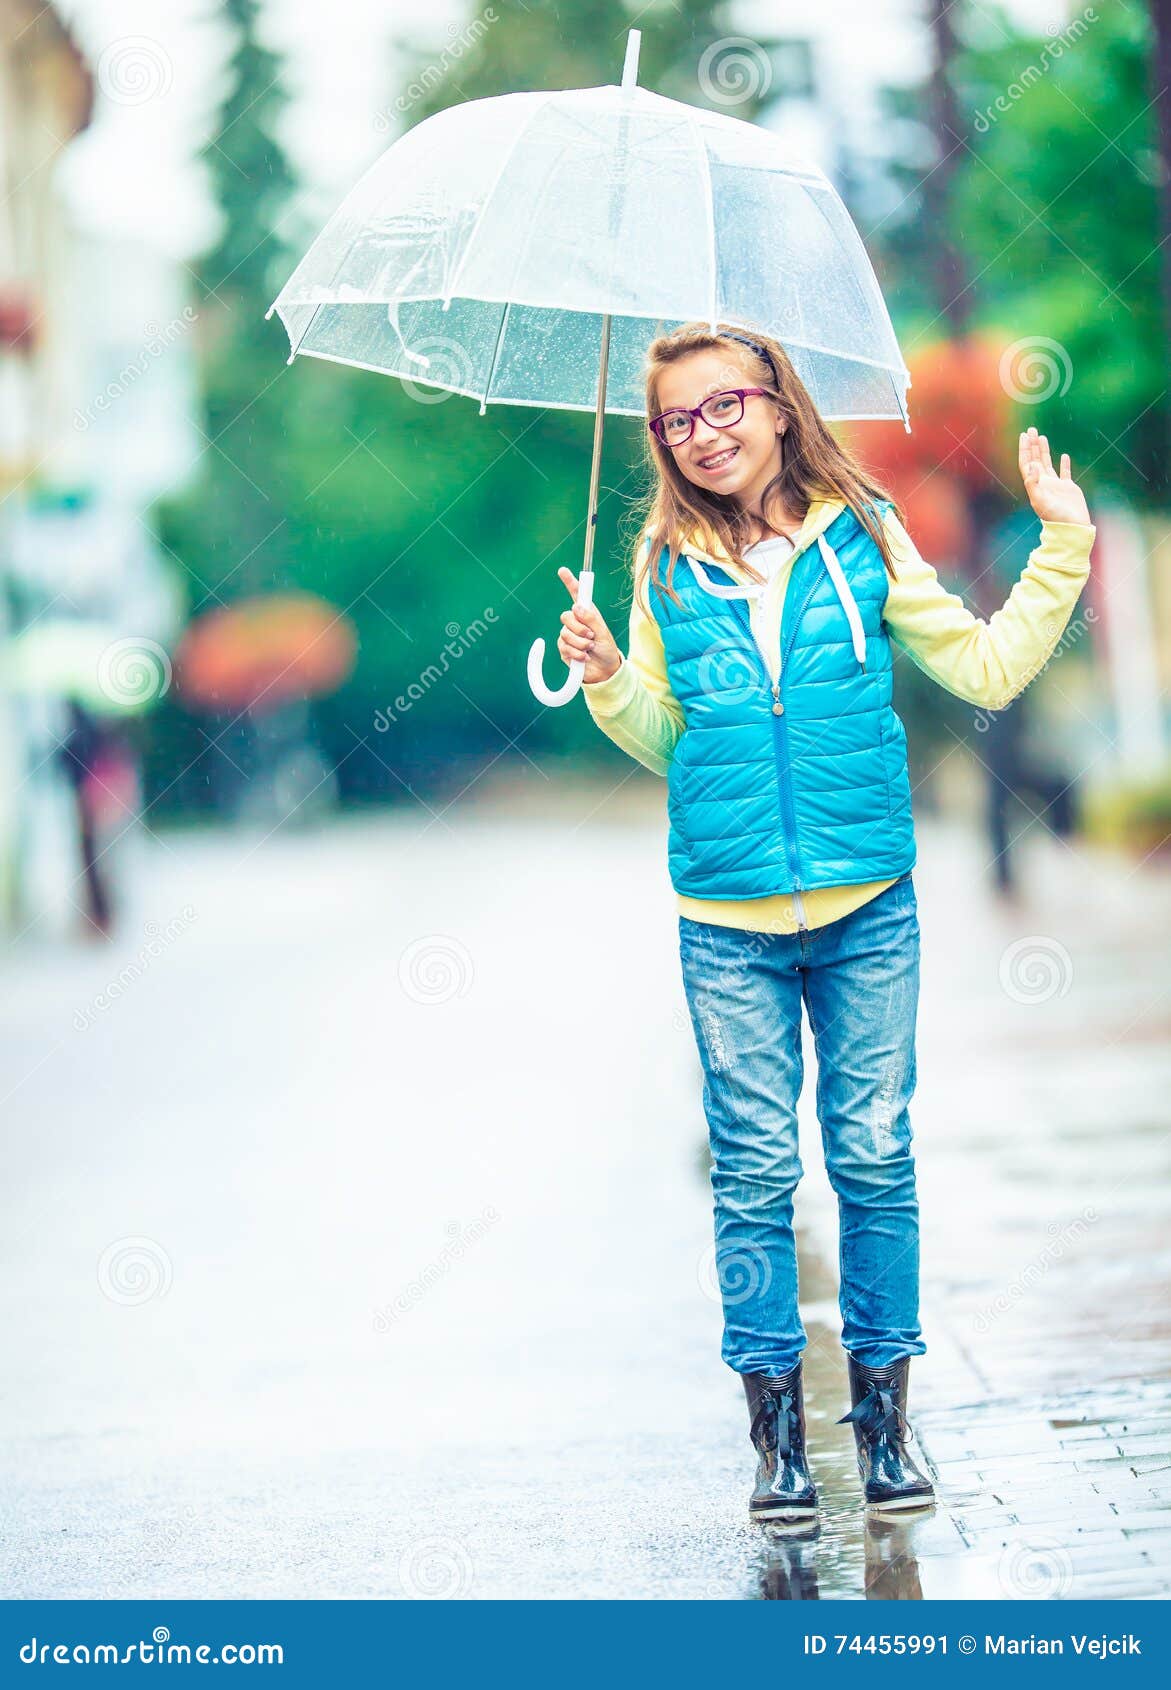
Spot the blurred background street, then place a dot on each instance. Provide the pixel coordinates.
(355, 1224)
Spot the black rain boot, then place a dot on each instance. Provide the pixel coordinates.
(784, 1489)
(890, 1479)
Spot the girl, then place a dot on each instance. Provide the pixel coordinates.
(772, 577)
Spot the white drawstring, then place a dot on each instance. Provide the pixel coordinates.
(752, 591)
(849, 604)
(836, 574)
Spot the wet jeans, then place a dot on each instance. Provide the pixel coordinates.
(859, 980)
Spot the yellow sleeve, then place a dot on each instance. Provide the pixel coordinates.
(988, 663)
(636, 707)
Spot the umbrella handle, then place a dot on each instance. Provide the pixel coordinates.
(585, 597)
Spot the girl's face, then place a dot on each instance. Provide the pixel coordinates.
(737, 462)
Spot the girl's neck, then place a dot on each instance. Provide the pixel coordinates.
(791, 527)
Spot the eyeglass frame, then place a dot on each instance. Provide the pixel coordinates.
(693, 411)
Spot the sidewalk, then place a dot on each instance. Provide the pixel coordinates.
(1043, 1141)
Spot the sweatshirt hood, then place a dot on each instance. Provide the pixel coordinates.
(821, 513)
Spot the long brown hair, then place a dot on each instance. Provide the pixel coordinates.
(813, 463)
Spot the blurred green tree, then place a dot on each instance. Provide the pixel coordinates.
(234, 530)
(1054, 203)
(413, 513)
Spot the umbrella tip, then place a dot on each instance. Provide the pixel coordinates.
(289, 359)
(630, 67)
(270, 311)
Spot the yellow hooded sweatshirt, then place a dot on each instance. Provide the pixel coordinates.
(987, 663)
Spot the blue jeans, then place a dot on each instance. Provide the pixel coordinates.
(859, 979)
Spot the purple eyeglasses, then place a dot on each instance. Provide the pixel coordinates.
(721, 410)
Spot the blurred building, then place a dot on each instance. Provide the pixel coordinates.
(46, 98)
(96, 401)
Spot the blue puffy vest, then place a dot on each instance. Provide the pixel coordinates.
(772, 793)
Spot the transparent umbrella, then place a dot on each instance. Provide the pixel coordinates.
(525, 250)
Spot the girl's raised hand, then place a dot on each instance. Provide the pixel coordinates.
(585, 634)
(1055, 497)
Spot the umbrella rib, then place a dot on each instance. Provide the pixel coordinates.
(301, 338)
(495, 355)
(449, 290)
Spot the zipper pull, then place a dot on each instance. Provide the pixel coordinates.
(778, 707)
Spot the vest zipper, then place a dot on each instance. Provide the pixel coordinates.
(781, 743)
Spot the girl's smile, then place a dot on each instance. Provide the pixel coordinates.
(721, 461)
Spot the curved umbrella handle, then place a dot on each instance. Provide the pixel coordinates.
(585, 597)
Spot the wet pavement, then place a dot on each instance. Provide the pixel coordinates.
(356, 1233)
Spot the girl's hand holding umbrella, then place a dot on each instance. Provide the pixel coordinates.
(1055, 497)
(584, 635)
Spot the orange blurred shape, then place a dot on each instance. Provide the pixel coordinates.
(260, 653)
(939, 518)
(961, 421)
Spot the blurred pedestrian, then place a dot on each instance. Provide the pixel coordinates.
(100, 768)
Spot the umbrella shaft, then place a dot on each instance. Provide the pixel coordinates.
(596, 462)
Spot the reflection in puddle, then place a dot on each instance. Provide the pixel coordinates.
(792, 1558)
(892, 1572)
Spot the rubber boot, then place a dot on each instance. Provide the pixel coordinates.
(890, 1478)
(784, 1489)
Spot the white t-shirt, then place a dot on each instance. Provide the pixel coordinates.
(767, 556)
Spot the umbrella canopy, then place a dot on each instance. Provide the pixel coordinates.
(492, 238)
(526, 249)
(259, 653)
